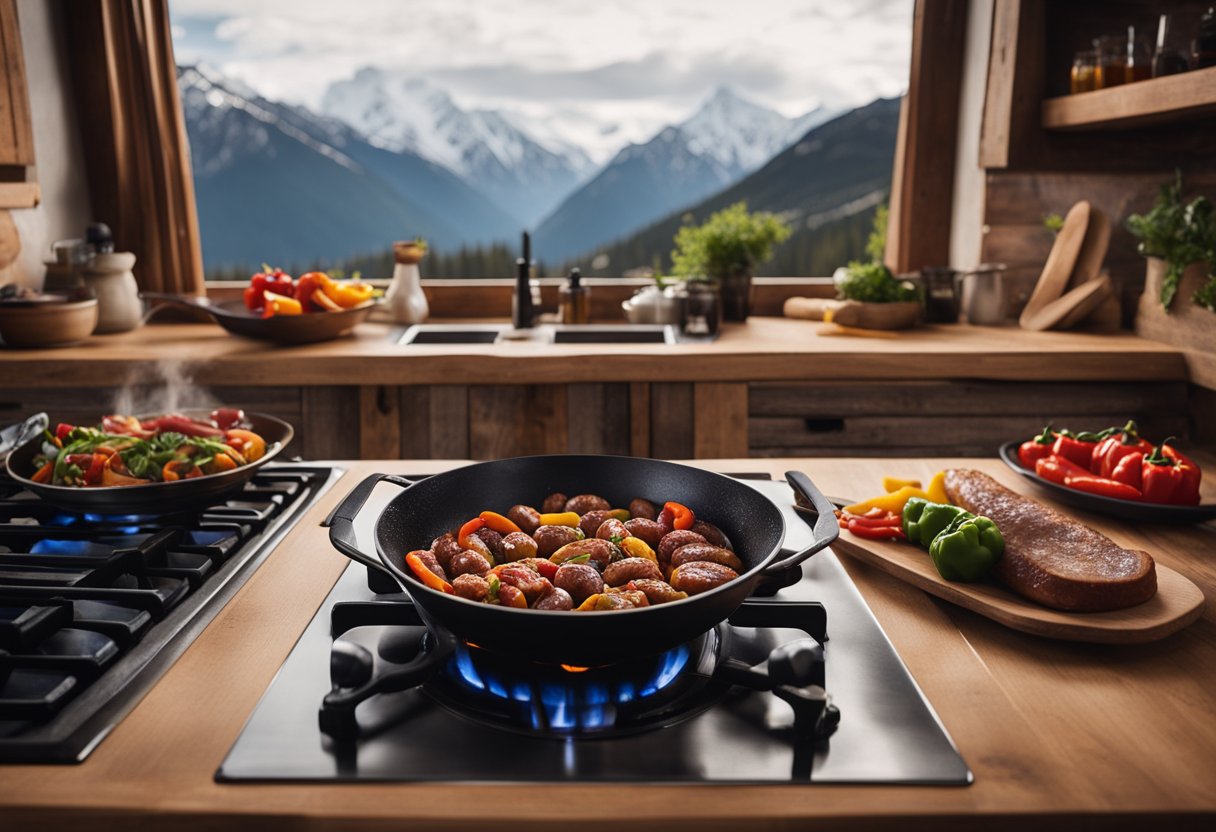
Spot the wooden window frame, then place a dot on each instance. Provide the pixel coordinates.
(922, 179)
(18, 188)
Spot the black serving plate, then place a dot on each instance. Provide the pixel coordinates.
(1123, 509)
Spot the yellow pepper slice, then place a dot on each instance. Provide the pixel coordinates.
(280, 305)
(890, 484)
(893, 502)
(560, 518)
(635, 547)
(937, 488)
(346, 294)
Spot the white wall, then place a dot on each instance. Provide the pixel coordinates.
(966, 231)
(64, 210)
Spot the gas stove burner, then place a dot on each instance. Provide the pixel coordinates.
(510, 693)
(94, 606)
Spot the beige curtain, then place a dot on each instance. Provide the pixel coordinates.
(135, 137)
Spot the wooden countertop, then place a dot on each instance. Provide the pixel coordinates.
(761, 349)
(1058, 735)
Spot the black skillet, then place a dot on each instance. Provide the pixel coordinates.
(157, 497)
(281, 329)
(430, 507)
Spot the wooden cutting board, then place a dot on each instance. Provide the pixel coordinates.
(1178, 602)
(1060, 262)
(1070, 308)
(1093, 249)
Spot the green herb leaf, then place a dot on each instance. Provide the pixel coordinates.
(578, 559)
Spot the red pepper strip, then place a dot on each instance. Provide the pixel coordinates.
(425, 575)
(177, 423)
(1103, 487)
(875, 532)
(1128, 471)
(1187, 493)
(462, 537)
(1033, 450)
(1057, 469)
(92, 476)
(876, 521)
(62, 430)
(681, 516)
(498, 523)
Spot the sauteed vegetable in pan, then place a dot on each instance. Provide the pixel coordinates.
(579, 554)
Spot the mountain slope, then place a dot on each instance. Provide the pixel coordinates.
(404, 114)
(279, 184)
(724, 140)
(826, 185)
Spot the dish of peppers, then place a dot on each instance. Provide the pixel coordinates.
(1115, 471)
(128, 451)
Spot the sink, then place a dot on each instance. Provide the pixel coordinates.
(423, 334)
(456, 334)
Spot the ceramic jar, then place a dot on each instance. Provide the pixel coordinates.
(111, 279)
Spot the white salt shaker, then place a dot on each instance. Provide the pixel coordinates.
(118, 305)
(405, 299)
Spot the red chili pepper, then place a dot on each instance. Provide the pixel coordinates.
(177, 423)
(1057, 469)
(1128, 471)
(1103, 487)
(1033, 450)
(1113, 448)
(62, 430)
(425, 575)
(1164, 478)
(878, 520)
(1079, 447)
(1187, 493)
(92, 475)
(681, 516)
(875, 532)
(462, 537)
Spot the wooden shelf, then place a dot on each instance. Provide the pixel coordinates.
(1173, 98)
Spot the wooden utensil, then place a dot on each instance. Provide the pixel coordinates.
(1060, 263)
(1093, 249)
(1178, 602)
(852, 313)
(1071, 308)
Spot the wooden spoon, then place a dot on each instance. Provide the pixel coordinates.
(1093, 249)
(1060, 263)
(1071, 307)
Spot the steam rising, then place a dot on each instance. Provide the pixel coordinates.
(161, 387)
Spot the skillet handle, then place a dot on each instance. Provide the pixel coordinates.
(827, 527)
(342, 521)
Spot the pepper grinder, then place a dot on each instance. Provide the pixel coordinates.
(405, 299)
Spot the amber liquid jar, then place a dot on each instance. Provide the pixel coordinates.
(1082, 77)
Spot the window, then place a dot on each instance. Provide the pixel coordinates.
(321, 132)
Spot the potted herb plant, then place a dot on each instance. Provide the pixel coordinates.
(1179, 241)
(726, 249)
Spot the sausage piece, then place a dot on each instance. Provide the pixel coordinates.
(705, 552)
(579, 580)
(630, 569)
(642, 509)
(493, 541)
(590, 522)
(601, 552)
(530, 583)
(551, 538)
(526, 517)
(647, 530)
(517, 546)
(445, 548)
(473, 587)
(554, 503)
(469, 562)
(658, 592)
(700, 576)
(556, 599)
(674, 540)
(612, 528)
(583, 503)
(713, 534)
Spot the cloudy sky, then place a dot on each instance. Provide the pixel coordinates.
(599, 72)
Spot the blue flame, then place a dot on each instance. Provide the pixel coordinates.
(69, 547)
(464, 664)
(116, 518)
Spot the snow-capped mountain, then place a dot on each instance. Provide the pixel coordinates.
(281, 184)
(727, 138)
(407, 114)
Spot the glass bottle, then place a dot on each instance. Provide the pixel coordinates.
(1205, 41)
(1082, 77)
(1167, 59)
(1111, 68)
(1139, 58)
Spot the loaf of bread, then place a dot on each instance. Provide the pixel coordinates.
(1052, 559)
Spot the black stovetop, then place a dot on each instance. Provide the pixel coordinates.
(94, 608)
(478, 721)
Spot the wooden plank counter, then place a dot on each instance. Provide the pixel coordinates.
(1059, 735)
(770, 387)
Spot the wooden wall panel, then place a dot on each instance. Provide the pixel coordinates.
(639, 419)
(379, 422)
(448, 411)
(720, 420)
(598, 419)
(671, 420)
(329, 428)
(517, 420)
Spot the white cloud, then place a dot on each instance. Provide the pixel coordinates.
(622, 68)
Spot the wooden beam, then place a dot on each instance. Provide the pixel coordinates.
(922, 193)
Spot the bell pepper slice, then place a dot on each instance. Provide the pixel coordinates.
(346, 294)
(875, 532)
(893, 502)
(937, 489)
(462, 537)
(110, 476)
(890, 484)
(494, 520)
(43, 474)
(560, 518)
(426, 576)
(277, 304)
(681, 515)
(248, 445)
(322, 301)
(179, 469)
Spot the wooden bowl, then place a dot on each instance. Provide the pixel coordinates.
(308, 328)
(35, 325)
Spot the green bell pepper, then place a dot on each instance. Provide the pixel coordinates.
(967, 549)
(924, 520)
